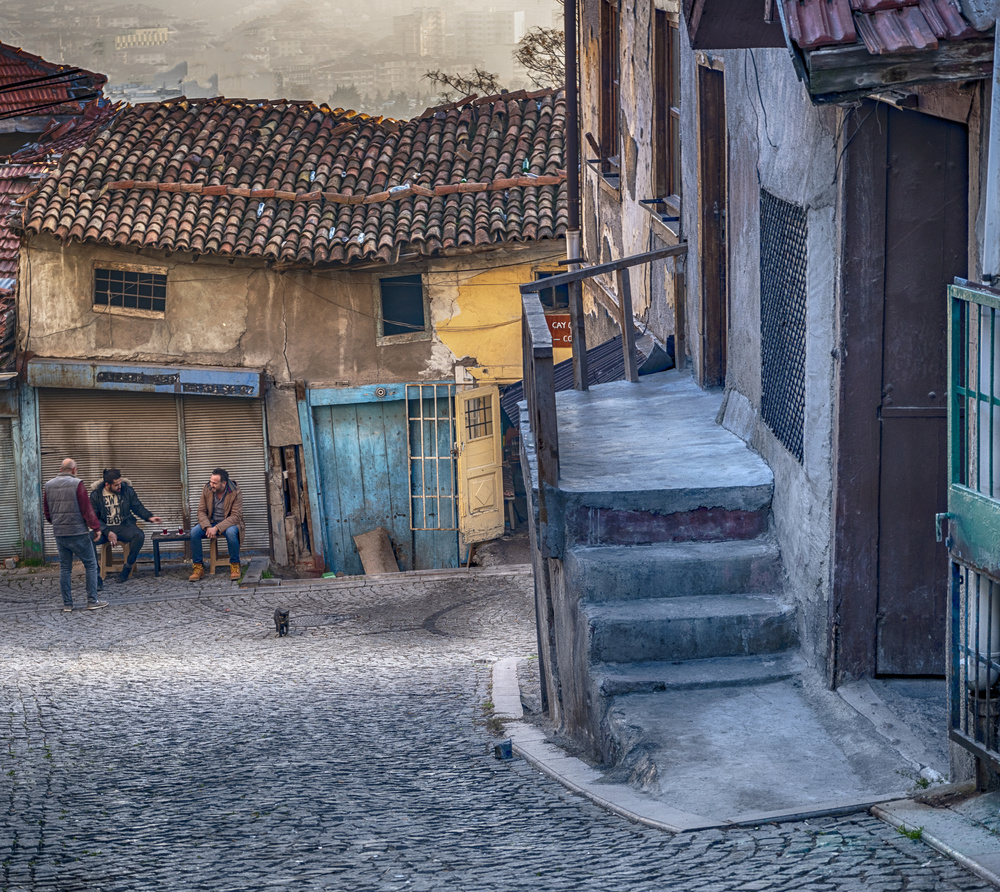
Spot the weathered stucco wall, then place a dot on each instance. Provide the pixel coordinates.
(780, 142)
(615, 224)
(317, 325)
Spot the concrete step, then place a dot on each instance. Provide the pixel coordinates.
(668, 570)
(689, 628)
(613, 679)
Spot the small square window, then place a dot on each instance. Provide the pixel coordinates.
(136, 292)
(553, 299)
(402, 308)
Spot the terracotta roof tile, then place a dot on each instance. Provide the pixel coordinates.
(295, 183)
(32, 87)
(885, 26)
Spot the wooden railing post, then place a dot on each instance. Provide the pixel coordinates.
(539, 390)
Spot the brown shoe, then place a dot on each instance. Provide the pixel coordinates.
(235, 571)
(197, 574)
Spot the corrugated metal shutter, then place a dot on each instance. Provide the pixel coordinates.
(229, 433)
(10, 515)
(136, 432)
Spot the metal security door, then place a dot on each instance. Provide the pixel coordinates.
(973, 517)
(480, 476)
(10, 514)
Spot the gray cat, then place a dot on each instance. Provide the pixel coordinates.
(281, 621)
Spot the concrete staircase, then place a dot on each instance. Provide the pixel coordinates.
(670, 575)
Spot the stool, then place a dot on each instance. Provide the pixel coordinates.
(108, 558)
(213, 555)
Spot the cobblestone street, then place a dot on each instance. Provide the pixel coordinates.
(172, 741)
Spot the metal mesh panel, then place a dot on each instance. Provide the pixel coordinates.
(783, 319)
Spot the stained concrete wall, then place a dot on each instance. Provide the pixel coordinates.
(317, 325)
(780, 142)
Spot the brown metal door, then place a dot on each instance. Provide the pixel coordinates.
(712, 202)
(926, 247)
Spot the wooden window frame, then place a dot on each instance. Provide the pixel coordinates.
(383, 339)
(109, 308)
(666, 114)
(609, 105)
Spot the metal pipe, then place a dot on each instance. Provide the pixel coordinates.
(991, 227)
(572, 121)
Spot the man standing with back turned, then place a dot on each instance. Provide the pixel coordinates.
(67, 507)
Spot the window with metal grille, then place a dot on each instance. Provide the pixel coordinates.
(479, 418)
(430, 436)
(783, 256)
(130, 289)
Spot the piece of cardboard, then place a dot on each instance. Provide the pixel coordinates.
(376, 552)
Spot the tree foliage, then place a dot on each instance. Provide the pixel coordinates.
(542, 53)
(454, 86)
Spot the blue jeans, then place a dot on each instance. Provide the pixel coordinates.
(81, 546)
(232, 535)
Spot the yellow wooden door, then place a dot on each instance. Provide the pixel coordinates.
(480, 479)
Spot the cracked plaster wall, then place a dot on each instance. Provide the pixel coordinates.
(317, 325)
(780, 142)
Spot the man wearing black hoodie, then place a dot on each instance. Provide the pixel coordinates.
(116, 504)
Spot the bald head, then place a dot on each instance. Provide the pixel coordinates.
(68, 465)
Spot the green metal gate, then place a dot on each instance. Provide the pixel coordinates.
(974, 517)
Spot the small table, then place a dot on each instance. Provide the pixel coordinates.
(169, 537)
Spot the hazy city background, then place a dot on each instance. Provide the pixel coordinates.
(369, 56)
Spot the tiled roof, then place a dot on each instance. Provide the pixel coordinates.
(296, 183)
(22, 173)
(30, 86)
(885, 26)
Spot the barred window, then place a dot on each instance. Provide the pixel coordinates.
(783, 257)
(130, 289)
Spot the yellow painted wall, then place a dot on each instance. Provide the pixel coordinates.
(483, 321)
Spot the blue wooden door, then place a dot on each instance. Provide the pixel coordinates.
(366, 483)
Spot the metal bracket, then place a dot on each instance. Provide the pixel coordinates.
(938, 518)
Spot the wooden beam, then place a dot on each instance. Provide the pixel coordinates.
(589, 272)
(628, 327)
(837, 72)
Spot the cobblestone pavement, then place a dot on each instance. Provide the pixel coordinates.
(172, 741)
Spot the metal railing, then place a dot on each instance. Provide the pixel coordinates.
(539, 384)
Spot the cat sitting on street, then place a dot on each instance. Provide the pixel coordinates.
(281, 621)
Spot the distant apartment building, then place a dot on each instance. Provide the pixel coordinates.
(135, 38)
(421, 32)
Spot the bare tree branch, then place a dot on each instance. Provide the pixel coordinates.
(542, 53)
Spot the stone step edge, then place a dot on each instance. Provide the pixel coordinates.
(616, 679)
(681, 607)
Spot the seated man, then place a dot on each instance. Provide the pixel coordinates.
(220, 511)
(115, 504)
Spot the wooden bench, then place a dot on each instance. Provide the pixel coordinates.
(213, 549)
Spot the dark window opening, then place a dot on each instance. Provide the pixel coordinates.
(553, 299)
(666, 109)
(402, 305)
(609, 105)
(130, 290)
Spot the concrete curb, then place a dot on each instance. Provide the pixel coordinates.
(969, 844)
(531, 744)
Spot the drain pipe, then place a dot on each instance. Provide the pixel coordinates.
(573, 240)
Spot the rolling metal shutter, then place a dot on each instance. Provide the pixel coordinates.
(229, 433)
(10, 515)
(135, 432)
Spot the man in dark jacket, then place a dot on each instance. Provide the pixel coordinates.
(116, 504)
(67, 508)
